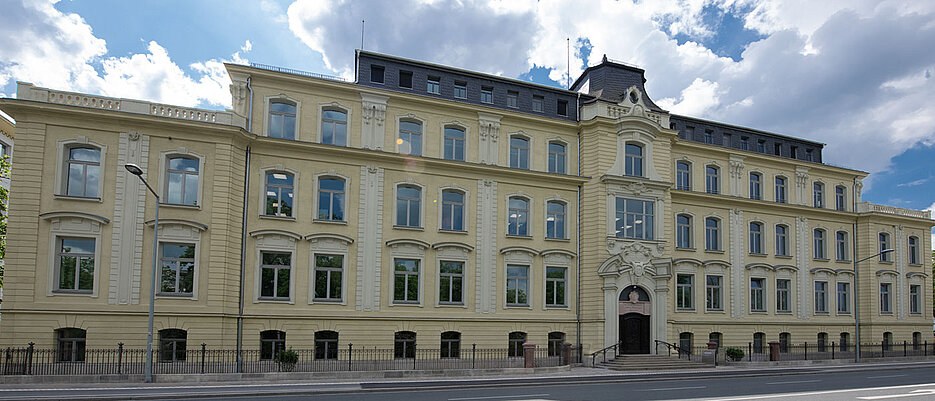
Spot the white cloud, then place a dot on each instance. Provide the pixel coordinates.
(694, 100)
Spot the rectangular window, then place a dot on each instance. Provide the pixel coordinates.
(793, 151)
(821, 297)
(433, 85)
(537, 103)
(279, 196)
(452, 210)
(82, 172)
(633, 160)
(634, 219)
(410, 138)
(451, 283)
(915, 299)
(844, 298)
(555, 220)
(182, 181)
(808, 155)
(405, 281)
(329, 271)
(840, 245)
(713, 293)
(761, 146)
(683, 292)
(519, 152)
(708, 136)
(461, 90)
(913, 250)
(711, 180)
(75, 265)
(405, 79)
(818, 193)
(712, 234)
(757, 295)
(562, 107)
(819, 244)
(885, 304)
(517, 285)
(777, 149)
(376, 73)
(726, 140)
(683, 176)
(744, 143)
(756, 186)
(275, 274)
(781, 241)
(178, 269)
(556, 158)
(555, 284)
(780, 190)
(512, 98)
(840, 198)
(783, 286)
(885, 245)
(454, 144)
(330, 199)
(486, 94)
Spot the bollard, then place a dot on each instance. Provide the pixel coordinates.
(529, 355)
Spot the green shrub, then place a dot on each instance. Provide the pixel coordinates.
(734, 354)
(287, 359)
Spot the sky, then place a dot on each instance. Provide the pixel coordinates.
(856, 75)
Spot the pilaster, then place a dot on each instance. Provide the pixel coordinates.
(486, 250)
(488, 151)
(801, 186)
(373, 118)
(902, 266)
(802, 249)
(129, 206)
(736, 230)
(736, 177)
(370, 237)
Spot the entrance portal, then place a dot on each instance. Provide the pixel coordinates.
(634, 311)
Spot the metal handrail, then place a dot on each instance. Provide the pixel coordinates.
(671, 347)
(616, 347)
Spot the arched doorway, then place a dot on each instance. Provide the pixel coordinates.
(634, 309)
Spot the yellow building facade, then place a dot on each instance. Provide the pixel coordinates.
(427, 203)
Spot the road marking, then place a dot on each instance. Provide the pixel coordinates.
(884, 377)
(671, 388)
(493, 397)
(796, 381)
(796, 395)
(912, 393)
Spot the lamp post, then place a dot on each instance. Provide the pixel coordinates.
(857, 301)
(137, 171)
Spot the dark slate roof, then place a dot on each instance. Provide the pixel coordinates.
(743, 138)
(610, 80)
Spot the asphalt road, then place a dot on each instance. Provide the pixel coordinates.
(870, 383)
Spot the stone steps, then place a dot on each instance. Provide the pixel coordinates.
(653, 362)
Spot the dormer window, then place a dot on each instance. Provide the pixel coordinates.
(537, 103)
(562, 106)
(461, 90)
(405, 79)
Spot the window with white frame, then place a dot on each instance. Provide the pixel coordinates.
(452, 210)
(408, 206)
(818, 236)
(840, 245)
(83, 172)
(511, 99)
(915, 299)
(518, 216)
(712, 180)
(279, 193)
(404, 345)
(282, 119)
(556, 157)
(275, 275)
(756, 238)
(519, 152)
(683, 231)
(433, 84)
(329, 276)
(634, 218)
(758, 295)
(178, 269)
(886, 306)
(172, 345)
(884, 240)
(844, 297)
(334, 127)
(712, 234)
(840, 197)
(683, 172)
(486, 94)
(633, 160)
(406, 274)
(517, 285)
(537, 103)
(451, 282)
(410, 138)
(914, 250)
(818, 194)
(713, 291)
(71, 344)
(454, 143)
(182, 181)
(782, 240)
(451, 344)
(272, 342)
(74, 264)
(331, 196)
(756, 186)
(555, 220)
(821, 297)
(515, 342)
(460, 91)
(556, 339)
(783, 288)
(684, 291)
(326, 344)
(555, 284)
(780, 189)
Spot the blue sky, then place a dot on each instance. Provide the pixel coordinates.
(855, 74)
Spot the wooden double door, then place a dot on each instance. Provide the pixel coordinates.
(634, 333)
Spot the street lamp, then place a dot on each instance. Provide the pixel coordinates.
(857, 300)
(137, 171)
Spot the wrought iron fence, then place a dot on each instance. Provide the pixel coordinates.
(832, 350)
(92, 361)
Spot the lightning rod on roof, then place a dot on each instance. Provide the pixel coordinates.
(568, 63)
(362, 34)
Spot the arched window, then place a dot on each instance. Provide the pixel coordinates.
(683, 231)
(408, 206)
(279, 193)
(712, 180)
(633, 160)
(83, 172)
(818, 194)
(331, 196)
(914, 250)
(845, 341)
(884, 240)
(712, 234)
(822, 342)
(71, 344)
(556, 157)
(756, 238)
(782, 235)
(404, 345)
(685, 342)
(515, 343)
(840, 197)
(326, 344)
(756, 186)
(785, 339)
(556, 339)
(819, 243)
(780, 190)
(451, 344)
(916, 340)
(519, 152)
(272, 342)
(454, 143)
(840, 245)
(182, 181)
(555, 220)
(410, 138)
(282, 119)
(334, 127)
(887, 340)
(715, 337)
(172, 345)
(452, 210)
(683, 172)
(758, 340)
(518, 217)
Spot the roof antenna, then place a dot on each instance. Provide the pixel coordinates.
(568, 63)
(362, 34)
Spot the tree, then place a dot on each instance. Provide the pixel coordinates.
(4, 200)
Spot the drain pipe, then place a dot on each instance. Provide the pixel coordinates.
(578, 237)
(243, 237)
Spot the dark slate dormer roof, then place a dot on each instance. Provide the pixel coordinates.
(610, 80)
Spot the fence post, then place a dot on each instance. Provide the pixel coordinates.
(925, 351)
(350, 348)
(883, 349)
(473, 354)
(749, 352)
(119, 358)
(832, 350)
(27, 368)
(203, 345)
(415, 355)
(904, 348)
(806, 350)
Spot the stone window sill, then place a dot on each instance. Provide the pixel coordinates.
(338, 222)
(78, 198)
